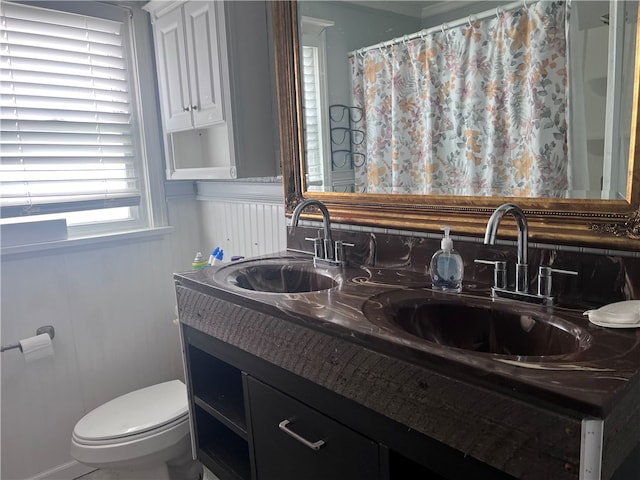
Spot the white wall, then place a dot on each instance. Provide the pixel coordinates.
(112, 307)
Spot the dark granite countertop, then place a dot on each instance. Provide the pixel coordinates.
(589, 380)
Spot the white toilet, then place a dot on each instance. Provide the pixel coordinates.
(141, 435)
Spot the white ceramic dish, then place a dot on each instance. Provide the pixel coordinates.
(624, 314)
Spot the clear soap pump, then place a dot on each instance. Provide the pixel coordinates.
(447, 267)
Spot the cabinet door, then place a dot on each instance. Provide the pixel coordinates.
(173, 79)
(293, 442)
(204, 62)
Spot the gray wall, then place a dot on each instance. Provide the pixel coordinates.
(355, 27)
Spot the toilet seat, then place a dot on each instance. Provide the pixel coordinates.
(179, 424)
(146, 410)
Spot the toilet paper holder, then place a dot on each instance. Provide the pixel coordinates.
(44, 329)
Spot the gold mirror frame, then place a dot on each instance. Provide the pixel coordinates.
(596, 223)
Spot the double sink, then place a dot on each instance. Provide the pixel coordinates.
(441, 364)
(402, 306)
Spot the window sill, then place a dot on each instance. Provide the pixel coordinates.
(88, 242)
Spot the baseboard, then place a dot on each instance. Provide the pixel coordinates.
(67, 471)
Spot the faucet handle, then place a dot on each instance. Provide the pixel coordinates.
(340, 254)
(545, 277)
(499, 272)
(318, 246)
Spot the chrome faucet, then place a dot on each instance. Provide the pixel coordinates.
(327, 248)
(521, 290)
(522, 266)
(324, 250)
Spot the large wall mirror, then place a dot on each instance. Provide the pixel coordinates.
(414, 114)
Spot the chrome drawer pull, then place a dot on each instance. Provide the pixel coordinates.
(312, 445)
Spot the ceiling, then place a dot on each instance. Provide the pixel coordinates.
(421, 8)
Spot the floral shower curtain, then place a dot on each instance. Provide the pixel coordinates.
(473, 110)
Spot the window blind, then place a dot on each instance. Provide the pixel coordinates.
(312, 116)
(66, 136)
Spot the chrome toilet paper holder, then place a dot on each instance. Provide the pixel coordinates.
(44, 329)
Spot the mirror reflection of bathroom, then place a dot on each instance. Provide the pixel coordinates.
(408, 97)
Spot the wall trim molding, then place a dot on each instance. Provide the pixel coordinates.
(240, 192)
(174, 189)
(107, 240)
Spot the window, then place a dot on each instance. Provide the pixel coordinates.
(312, 118)
(70, 142)
(314, 101)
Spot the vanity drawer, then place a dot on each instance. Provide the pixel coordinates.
(292, 441)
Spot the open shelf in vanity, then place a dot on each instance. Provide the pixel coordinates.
(217, 389)
(217, 402)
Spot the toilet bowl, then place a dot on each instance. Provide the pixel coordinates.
(142, 435)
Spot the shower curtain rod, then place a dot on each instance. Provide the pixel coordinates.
(447, 25)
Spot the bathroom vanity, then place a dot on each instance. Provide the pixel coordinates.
(298, 371)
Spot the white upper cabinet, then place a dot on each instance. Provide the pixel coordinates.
(204, 65)
(186, 40)
(216, 88)
(173, 81)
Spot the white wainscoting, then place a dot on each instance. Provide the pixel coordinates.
(243, 218)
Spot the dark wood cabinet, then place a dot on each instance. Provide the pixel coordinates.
(293, 442)
(253, 421)
(221, 400)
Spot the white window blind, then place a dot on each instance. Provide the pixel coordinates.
(67, 138)
(312, 117)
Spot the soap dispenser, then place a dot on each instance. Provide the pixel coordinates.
(447, 267)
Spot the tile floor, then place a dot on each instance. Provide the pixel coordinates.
(109, 475)
(101, 475)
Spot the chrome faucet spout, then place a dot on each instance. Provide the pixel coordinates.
(326, 222)
(521, 223)
(326, 219)
(522, 276)
(521, 291)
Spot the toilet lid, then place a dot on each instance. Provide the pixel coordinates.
(136, 412)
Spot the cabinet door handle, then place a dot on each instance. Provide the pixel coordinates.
(186, 109)
(312, 445)
(194, 107)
